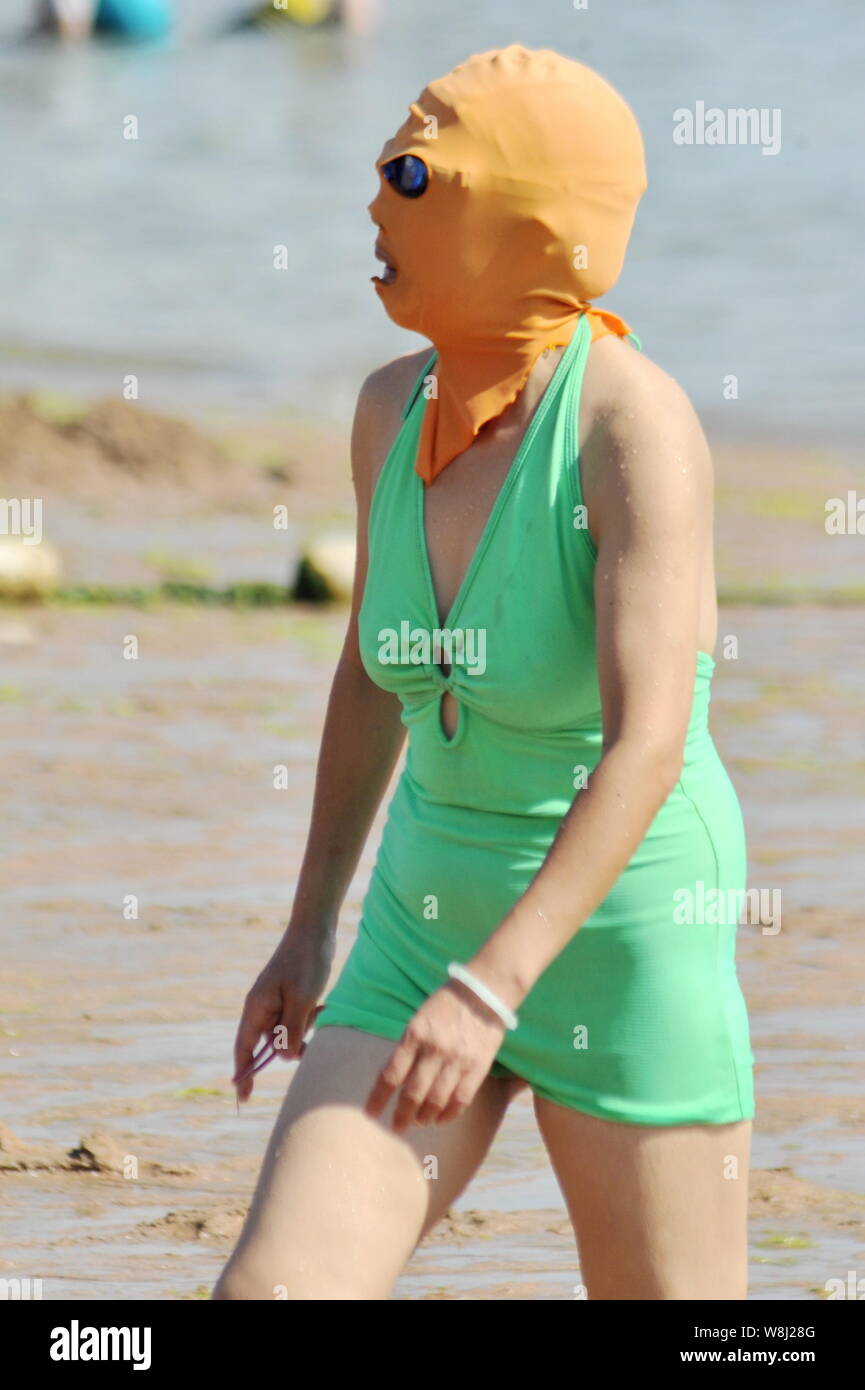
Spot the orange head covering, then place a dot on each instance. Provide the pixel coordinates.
(535, 171)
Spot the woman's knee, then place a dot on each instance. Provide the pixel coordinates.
(243, 1283)
(237, 1285)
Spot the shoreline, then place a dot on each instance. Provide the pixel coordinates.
(144, 507)
(252, 404)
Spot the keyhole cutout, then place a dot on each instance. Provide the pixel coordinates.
(449, 714)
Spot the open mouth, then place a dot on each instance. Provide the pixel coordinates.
(389, 273)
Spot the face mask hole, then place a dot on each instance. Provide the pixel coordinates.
(407, 175)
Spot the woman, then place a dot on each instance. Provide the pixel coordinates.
(541, 487)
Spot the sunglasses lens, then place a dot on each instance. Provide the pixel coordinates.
(408, 175)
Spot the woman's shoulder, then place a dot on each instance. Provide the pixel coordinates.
(629, 401)
(378, 415)
(641, 441)
(388, 386)
(622, 384)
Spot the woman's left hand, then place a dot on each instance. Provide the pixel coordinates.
(441, 1060)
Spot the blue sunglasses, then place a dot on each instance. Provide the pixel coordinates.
(407, 174)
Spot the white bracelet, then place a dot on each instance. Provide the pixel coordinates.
(486, 996)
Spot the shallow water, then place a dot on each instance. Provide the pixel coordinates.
(155, 256)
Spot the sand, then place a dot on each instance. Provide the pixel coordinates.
(124, 1167)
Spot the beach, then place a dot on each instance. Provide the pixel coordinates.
(149, 861)
(187, 321)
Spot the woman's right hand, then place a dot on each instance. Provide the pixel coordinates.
(283, 1002)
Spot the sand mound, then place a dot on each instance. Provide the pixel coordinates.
(99, 1153)
(223, 1223)
(778, 1192)
(96, 1152)
(116, 450)
(16, 1156)
(148, 446)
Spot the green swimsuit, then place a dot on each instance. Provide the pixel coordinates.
(640, 1018)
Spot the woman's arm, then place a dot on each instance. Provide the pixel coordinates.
(649, 504)
(360, 744)
(363, 733)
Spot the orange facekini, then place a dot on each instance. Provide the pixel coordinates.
(535, 171)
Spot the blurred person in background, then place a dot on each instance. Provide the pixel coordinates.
(76, 20)
(359, 16)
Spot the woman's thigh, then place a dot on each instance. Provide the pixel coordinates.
(341, 1200)
(660, 1212)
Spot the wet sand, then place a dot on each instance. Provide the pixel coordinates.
(154, 778)
(124, 1168)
